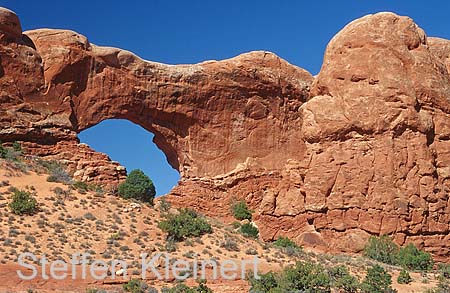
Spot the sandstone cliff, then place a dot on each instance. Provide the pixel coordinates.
(362, 149)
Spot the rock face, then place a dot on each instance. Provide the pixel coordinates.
(362, 149)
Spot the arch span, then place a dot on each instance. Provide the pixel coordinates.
(208, 118)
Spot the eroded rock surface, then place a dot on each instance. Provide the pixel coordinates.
(363, 149)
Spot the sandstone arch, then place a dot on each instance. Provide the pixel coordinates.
(365, 151)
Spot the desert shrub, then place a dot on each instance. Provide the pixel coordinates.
(377, 280)
(404, 277)
(230, 244)
(89, 216)
(341, 279)
(170, 245)
(248, 230)
(241, 211)
(303, 277)
(94, 290)
(10, 154)
(17, 147)
(414, 259)
(182, 288)
(80, 186)
(83, 187)
(135, 286)
(164, 205)
(444, 270)
(138, 186)
(285, 242)
(57, 172)
(236, 225)
(382, 249)
(288, 246)
(23, 203)
(266, 283)
(185, 224)
(3, 151)
(443, 285)
(443, 280)
(307, 277)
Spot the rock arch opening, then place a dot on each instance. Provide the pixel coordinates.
(132, 146)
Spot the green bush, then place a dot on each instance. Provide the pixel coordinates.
(382, 249)
(138, 186)
(135, 286)
(414, 259)
(377, 280)
(185, 224)
(342, 280)
(248, 230)
(303, 277)
(241, 211)
(285, 242)
(404, 277)
(23, 203)
(11, 154)
(17, 147)
(306, 276)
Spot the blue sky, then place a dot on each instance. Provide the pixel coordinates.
(192, 31)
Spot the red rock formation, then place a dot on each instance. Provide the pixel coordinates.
(362, 149)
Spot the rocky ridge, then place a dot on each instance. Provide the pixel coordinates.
(361, 149)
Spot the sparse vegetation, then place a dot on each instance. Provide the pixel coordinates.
(84, 187)
(138, 186)
(229, 244)
(241, 211)
(71, 213)
(57, 172)
(23, 203)
(185, 224)
(135, 286)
